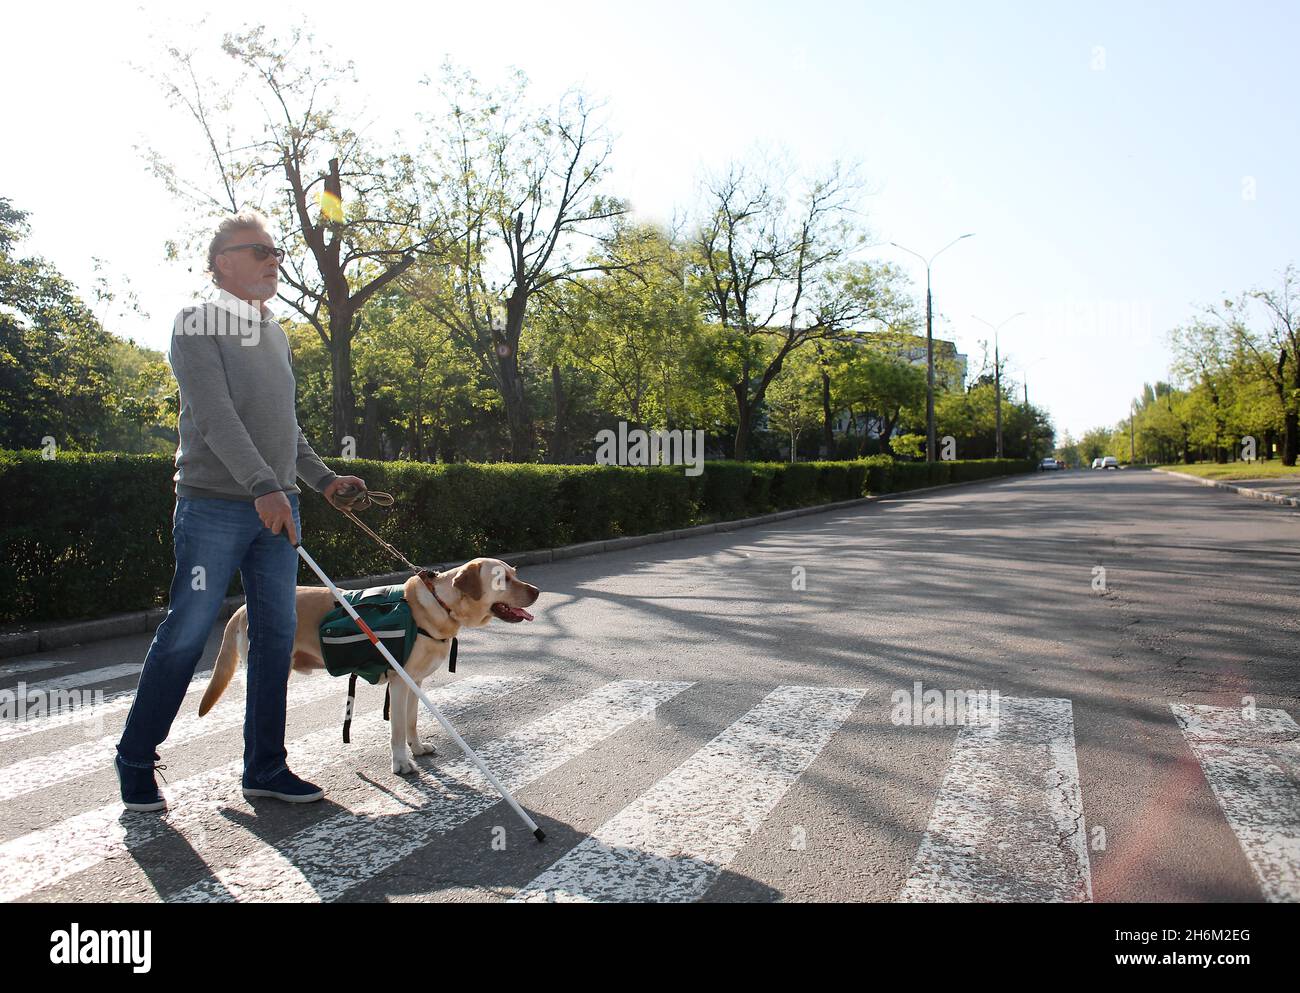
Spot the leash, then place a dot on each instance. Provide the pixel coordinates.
(349, 499)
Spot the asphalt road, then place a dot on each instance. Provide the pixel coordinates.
(688, 724)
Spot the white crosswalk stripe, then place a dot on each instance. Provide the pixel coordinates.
(1008, 823)
(93, 714)
(325, 860)
(50, 855)
(670, 844)
(1251, 758)
(42, 771)
(76, 680)
(8, 669)
(115, 702)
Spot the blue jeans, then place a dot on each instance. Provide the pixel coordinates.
(217, 537)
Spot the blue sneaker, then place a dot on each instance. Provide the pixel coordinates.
(139, 788)
(284, 785)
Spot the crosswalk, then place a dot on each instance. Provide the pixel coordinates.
(1251, 758)
(1006, 823)
(672, 842)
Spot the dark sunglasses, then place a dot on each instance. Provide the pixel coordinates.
(263, 252)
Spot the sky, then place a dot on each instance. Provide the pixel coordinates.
(1120, 164)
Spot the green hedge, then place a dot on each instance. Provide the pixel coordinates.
(87, 535)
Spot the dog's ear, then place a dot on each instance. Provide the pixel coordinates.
(468, 581)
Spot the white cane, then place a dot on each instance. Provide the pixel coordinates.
(415, 688)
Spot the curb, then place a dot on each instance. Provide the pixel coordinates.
(142, 621)
(1245, 491)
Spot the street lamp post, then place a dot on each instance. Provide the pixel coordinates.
(997, 372)
(929, 343)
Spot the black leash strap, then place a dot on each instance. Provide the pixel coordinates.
(352, 703)
(352, 692)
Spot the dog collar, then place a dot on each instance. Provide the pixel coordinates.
(427, 576)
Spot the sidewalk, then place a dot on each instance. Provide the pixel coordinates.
(1284, 490)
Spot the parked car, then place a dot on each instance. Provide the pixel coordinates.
(1048, 463)
(1110, 462)
(1098, 463)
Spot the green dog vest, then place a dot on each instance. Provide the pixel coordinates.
(349, 652)
(347, 649)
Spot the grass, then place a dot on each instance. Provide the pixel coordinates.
(1237, 470)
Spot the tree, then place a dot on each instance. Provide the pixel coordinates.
(971, 419)
(1094, 444)
(1201, 358)
(1158, 432)
(1276, 352)
(1068, 451)
(55, 358)
(347, 213)
(435, 388)
(635, 327)
(793, 401)
(871, 380)
(776, 271)
(520, 189)
(144, 400)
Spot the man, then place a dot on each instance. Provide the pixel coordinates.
(240, 451)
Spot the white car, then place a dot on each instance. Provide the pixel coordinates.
(1110, 462)
(1048, 463)
(1098, 463)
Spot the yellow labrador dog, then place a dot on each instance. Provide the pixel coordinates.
(441, 603)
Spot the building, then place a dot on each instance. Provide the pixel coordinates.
(950, 365)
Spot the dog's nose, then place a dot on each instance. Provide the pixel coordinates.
(533, 593)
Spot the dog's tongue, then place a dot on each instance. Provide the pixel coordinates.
(510, 613)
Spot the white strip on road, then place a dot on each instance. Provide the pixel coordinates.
(1008, 823)
(43, 771)
(8, 669)
(1252, 761)
(670, 844)
(116, 702)
(197, 805)
(76, 680)
(324, 861)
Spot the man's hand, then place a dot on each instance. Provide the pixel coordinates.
(351, 486)
(276, 512)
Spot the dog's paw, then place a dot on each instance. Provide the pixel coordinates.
(419, 747)
(403, 763)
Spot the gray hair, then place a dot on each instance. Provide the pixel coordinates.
(243, 221)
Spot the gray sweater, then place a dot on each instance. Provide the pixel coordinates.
(238, 426)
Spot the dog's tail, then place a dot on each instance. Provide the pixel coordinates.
(227, 662)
